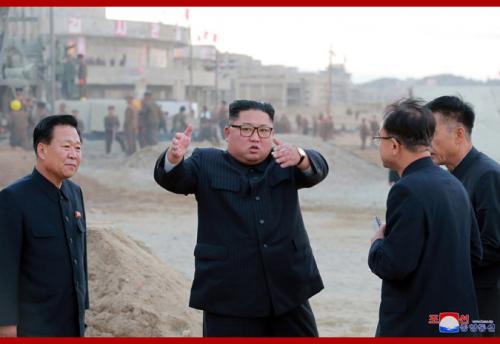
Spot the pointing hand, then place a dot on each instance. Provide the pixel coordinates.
(179, 146)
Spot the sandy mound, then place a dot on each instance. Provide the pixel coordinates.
(133, 293)
(15, 163)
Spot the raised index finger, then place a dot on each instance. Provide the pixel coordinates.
(189, 130)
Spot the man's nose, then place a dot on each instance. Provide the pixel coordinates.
(73, 153)
(255, 135)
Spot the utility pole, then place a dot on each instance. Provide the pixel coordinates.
(52, 62)
(330, 78)
(4, 18)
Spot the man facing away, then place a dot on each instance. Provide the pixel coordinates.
(43, 279)
(425, 251)
(254, 268)
(452, 146)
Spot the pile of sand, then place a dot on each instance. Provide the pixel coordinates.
(133, 293)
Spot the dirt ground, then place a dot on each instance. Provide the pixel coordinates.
(141, 261)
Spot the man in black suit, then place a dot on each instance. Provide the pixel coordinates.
(425, 251)
(452, 146)
(254, 268)
(43, 253)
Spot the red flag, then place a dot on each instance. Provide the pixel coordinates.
(215, 38)
(120, 28)
(187, 14)
(205, 35)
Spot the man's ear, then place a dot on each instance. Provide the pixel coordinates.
(41, 150)
(460, 134)
(226, 132)
(395, 146)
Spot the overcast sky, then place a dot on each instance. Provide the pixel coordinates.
(374, 42)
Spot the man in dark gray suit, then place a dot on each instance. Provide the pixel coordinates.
(254, 268)
(452, 146)
(43, 250)
(425, 251)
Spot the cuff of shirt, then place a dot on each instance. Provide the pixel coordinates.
(168, 166)
(309, 171)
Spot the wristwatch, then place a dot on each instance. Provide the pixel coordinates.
(302, 154)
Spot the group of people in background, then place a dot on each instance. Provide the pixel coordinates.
(321, 125)
(25, 113)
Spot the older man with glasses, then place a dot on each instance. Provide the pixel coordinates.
(254, 268)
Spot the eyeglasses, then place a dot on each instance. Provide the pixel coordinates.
(248, 130)
(377, 139)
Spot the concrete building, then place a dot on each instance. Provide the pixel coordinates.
(127, 57)
(287, 88)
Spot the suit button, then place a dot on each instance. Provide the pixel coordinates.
(75, 261)
(66, 219)
(265, 245)
(261, 221)
(257, 198)
(70, 240)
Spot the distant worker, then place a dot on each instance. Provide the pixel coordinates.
(130, 126)
(68, 78)
(82, 76)
(18, 125)
(111, 126)
(221, 117)
(374, 128)
(40, 112)
(364, 132)
(149, 120)
(179, 121)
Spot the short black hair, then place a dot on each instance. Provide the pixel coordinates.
(45, 128)
(410, 122)
(454, 108)
(242, 105)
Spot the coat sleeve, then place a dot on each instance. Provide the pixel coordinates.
(11, 234)
(397, 255)
(182, 179)
(487, 209)
(319, 170)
